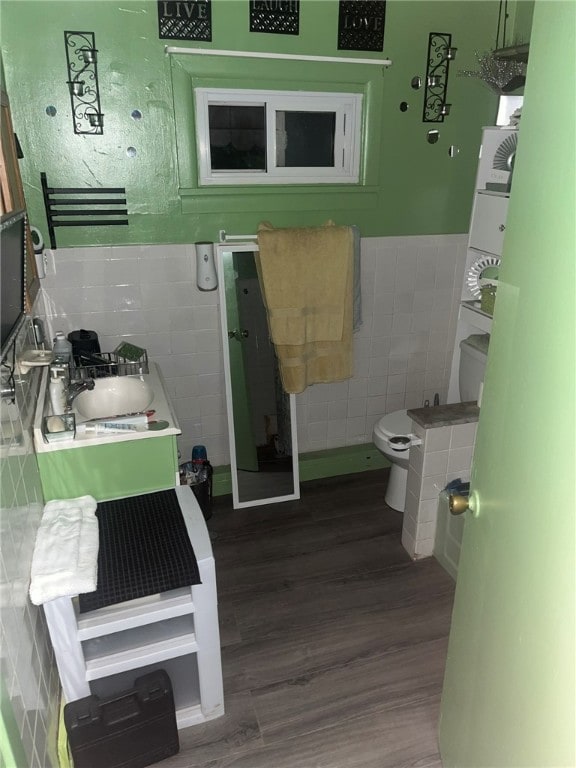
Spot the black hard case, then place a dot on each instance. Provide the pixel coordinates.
(130, 730)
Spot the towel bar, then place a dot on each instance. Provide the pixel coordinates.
(224, 238)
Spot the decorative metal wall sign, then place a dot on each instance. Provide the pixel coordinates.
(81, 57)
(361, 25)
(440, 53)
(185, 20)
(92, 209)
(278, 17)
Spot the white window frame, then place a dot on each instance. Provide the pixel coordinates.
(347, 140)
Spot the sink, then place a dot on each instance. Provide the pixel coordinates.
(113, 397)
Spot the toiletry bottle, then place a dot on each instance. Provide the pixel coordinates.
(62, 348)
(57, 393)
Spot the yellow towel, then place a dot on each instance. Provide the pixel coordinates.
(303, 275)
(314, 319)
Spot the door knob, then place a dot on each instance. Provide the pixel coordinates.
(502, 227)
(457, 504)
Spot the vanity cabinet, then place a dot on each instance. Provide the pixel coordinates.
(110, 471)
(109, 466)
(103, 651)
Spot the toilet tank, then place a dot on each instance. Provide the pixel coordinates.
(473, 353)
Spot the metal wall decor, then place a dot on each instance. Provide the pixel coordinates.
(361, 25)
(81, 57)
(440, 54)
(499, 74)
(185, 20)
(91, 209)
(278, 17)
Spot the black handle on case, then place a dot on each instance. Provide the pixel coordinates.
(120, 709)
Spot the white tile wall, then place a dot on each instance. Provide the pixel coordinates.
(445, 454)
(403, 350)
(27, 667)
(147, 294)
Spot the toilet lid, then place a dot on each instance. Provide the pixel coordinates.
(396, 423)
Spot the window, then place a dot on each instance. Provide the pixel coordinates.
(277, 137)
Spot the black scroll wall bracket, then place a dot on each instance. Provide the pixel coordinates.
(82, 62)
(440, 54)
(83, 207)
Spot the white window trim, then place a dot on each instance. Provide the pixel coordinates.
(348, 109)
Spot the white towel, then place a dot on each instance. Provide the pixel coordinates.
(65, 559)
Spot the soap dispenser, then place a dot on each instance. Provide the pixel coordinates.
(206, 278)
(57, 393)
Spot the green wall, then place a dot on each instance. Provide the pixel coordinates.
(519, 26)
(409, 186)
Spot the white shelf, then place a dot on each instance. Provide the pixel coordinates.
(183, 672)
(105, 650)
(139, 647)
(493, 193)
(134, 613)
(187, 716)
(486, 237)
(471, 313)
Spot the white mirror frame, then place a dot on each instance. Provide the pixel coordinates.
(247, 247)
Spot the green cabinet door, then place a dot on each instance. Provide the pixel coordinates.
(509, 691)
(110, 471)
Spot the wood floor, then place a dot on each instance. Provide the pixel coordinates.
(333, 640)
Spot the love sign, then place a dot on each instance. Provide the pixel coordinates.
(361, 25)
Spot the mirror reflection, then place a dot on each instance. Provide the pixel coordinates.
(261, 416)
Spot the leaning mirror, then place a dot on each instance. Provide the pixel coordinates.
(261, 416)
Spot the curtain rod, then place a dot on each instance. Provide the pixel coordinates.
(258, 55)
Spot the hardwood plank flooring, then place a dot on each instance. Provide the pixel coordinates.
(333, 640)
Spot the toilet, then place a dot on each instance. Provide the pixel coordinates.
(393, 436)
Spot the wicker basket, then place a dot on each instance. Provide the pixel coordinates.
(487, 298)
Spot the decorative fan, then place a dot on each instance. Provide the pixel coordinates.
(474, 276)
(504, 155)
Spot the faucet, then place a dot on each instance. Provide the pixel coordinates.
(74, 388)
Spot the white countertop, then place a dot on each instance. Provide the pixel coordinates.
(160, 404)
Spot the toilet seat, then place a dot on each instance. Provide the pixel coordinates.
(395, 427)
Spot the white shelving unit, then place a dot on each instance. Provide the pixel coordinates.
(487, 231)
(104, 651)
